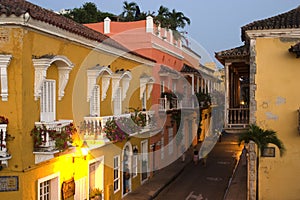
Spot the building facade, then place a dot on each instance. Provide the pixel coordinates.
(261, 88)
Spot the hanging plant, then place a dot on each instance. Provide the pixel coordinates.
(3, 120)
(62, 137)
(114, 131)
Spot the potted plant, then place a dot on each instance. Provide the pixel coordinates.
(95, 194)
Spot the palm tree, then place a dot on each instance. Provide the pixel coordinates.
(261, 138)
(129, 10)
(162, 16)
(178, 20)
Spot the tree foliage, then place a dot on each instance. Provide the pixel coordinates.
(88, 13)
(261, 138)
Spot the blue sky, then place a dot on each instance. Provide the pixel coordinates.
(215, 24)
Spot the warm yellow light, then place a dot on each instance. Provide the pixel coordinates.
(84, 149)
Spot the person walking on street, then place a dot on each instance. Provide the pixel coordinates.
(196, 156)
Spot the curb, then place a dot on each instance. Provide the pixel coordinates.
(232, 176)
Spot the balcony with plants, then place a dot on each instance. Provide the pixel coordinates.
(116, 128)
(4, 137)
(50, 138)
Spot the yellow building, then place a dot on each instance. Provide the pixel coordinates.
(57, 75)
(262, 88)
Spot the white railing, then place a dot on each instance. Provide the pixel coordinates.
(3, 147)
(47, 141)
(166, 104)
(92, 127)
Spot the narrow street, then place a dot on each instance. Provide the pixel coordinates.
(199, 182)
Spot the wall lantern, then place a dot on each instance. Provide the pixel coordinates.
(82, 153)
(135, 150)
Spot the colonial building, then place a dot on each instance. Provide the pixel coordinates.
(61, 82)
(262, 88)
(178, 79)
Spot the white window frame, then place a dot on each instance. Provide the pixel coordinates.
(54, 186)
(134, 166)
(117, 167)
(144, 101)
(48, 101)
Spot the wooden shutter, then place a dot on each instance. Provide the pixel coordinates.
(118, 102)
(48, 103)
(95, 102)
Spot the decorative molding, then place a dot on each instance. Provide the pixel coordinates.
(93, 74)
(126, 78)
(143, 84)
(41, 66)
(150, 87)
(115, 85)
(105, 86)
(4, 62)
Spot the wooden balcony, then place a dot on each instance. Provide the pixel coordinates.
(237, 118)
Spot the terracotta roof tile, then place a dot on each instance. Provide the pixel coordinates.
(165, 69)
(238, 52)
(19, 7)
(189, 69)
(290, 19)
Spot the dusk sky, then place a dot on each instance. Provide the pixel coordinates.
(215, 24)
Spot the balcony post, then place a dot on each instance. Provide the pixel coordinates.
(226, 94)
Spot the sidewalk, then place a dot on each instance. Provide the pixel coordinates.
(237, 187)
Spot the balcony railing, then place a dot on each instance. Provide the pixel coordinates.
(91, 128)
(238, 117)
(48, 144)
(168, 104)
(4, 156)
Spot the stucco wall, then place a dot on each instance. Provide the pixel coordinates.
(277, 97)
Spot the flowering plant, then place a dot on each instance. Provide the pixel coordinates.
(114, 130)
(62, 137)
(3, 120)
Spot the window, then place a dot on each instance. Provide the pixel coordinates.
(48, 101)
(116, 173)
(48, 188)
(162, 86)
(144, 101)
(45, 190)
(80, 189)
(95, 102)
(118, 102)
(134, 166)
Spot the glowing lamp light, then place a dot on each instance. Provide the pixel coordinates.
(84, 151)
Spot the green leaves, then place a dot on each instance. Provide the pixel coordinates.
(261, 138)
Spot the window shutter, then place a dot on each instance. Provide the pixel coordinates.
(48, 104)
(118, 102)
(95, 102)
